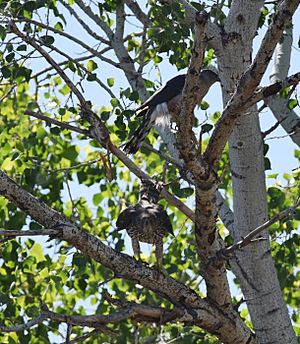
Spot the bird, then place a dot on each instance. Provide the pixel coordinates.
(156, 108)
(147, 221)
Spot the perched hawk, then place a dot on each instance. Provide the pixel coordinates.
(156, 107)
(147, 221)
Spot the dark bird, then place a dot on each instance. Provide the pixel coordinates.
(147, 221)
(155, 109)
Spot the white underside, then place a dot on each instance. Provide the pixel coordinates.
(162, 122)
(161, 115)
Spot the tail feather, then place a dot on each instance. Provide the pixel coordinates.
(139, 135)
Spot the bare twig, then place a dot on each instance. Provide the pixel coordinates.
(273, 127)
(69, 332)
(74, 167)
(15, 233)
(26, 326)
(226, 252)
(83, 23)
(60, 124)
(274, 88)
(84, 337)
(81, 43)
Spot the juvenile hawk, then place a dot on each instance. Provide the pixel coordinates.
(147, 221)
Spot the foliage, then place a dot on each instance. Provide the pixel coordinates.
(43, 159)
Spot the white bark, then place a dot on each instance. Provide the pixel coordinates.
(288, 118)
(257, 272)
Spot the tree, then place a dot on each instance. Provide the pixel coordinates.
(56, 133)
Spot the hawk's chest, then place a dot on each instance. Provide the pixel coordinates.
(146, 225)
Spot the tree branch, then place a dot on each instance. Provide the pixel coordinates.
(137, 11)
(186, 137)
(15, 233)
(213, 30)
(133, 311)
(23, 327)
(88, 48)
(83, 23)
(125, 61)
(239, 102)
(223, 322)
(274, 88)
(98, 129)
(288, 118)
(226, 253)
(60, 124)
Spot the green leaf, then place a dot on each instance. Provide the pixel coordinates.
(114, 102)
(110, 82)
(206, 128)
(37, 252)
(91, 77)
(34, 226)
(3, 32)
(204, 105)
(292, 103)
(97, 198)
(274, 175)
(47, 40)
(65, 90)
(267, 164)
(22, 47)
(29, 6)
(10, 57)
(91, 66)
(5, 72)
(59, 26)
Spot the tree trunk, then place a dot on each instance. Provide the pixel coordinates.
(258, 277)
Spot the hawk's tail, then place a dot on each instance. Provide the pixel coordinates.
(139, 135)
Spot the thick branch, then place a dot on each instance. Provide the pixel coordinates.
(137, 11)
(186, 137)
(205, 227)
(224, 323)
(274, 88)
(239, 102)
(288, 118)
(120, 22)
(131, 311)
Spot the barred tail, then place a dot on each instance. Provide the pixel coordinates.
(139, 135)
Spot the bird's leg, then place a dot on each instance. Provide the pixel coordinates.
(159, 256)
(136, 248)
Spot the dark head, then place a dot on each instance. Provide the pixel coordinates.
(150, 190)
(209, 76)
